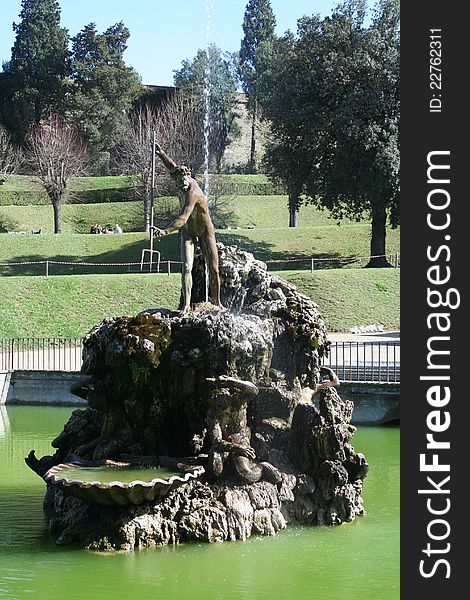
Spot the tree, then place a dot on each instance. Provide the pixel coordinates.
(55, 153)
(258, 26)
(212, 73)
(178, 124)
(180, 129)
(104, 87)
(34, 80)
(134, 152)
(332, 93)
(10, 156)
(285, 158)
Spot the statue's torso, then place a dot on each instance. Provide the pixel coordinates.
(199, 222)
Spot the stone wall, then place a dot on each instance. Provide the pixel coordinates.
(41, 387)
(373, 403)
(237, 154)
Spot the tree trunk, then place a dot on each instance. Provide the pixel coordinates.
(253, 140)
(293, 211)
(377, 241)
(57, 206)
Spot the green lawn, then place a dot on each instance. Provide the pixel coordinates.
(239, 211)
(70, 306)
(352, 297)
(76, 218)
(327, 243)
(27, 182)
(255, 223)
(74, 248)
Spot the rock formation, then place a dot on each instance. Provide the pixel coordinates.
(221, 388)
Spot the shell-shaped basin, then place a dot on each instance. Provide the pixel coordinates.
(118, 483)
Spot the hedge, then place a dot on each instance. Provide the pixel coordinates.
(39, 197)
(130, 194)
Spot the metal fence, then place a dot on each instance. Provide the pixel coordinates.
(51, 267)
(40, 354)
(365, 361)
(316, 263)
(63, 267)
(352, 361)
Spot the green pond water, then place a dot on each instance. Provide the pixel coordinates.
(359, 560)
(107, 474)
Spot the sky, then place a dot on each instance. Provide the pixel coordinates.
(164, 33)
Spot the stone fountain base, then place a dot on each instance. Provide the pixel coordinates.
(229, 510)
(239, 391)
(195, 512)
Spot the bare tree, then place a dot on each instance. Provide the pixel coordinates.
(10, 155)
(55, 154)
(179, 127)
(133, 155)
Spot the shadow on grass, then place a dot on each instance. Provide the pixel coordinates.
(283, 261)
(128, 253)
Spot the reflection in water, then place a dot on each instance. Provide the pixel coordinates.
(4, 421)
(357, 561)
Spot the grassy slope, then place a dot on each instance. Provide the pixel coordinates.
(233, 211)
(76, 218)
(267, 245)
(351, 297)
(70, 306)
(261, 228)
(347, 297)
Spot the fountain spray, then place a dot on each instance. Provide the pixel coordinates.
(206, 94)
(207, 123)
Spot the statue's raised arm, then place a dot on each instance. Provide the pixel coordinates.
(163, 156)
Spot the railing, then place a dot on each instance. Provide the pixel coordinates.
(352, 361)
(316, 263)
(365, 361)
(51, 267)
(63, 267)
(40, 354)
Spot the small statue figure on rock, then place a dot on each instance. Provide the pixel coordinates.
(230, 435)
(194, 225)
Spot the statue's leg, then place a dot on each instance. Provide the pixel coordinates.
(211, 256)
(187, 258)
(248, 470)
(270, 473)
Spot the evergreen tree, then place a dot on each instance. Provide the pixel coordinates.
(33, 82)
(258, 26)
(210, 70)
(104, 88)
(332, 94)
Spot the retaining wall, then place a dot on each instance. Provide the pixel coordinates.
(374, 403)
(41, 387)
